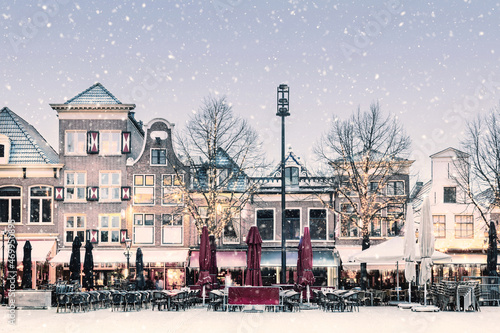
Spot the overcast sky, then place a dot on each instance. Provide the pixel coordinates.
(434, 65)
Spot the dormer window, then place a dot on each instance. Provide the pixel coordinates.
(291, 176)
(4, 149)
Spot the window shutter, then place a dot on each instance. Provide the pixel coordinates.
(123, 235)
(125, 192)
(92, 193)
(92, 142)
(93, 236)
(58, 193)
(126, 149)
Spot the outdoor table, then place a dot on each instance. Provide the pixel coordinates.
(169, 294)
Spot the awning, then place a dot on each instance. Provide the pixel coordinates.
(40, 252)
(465, 258)
(323, 258)
(225, 259)
(118, 256)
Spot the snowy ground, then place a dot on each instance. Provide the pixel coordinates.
(369, 319)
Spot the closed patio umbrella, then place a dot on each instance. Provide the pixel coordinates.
(491, 258)
(12, 264)
(307, 262)
(204, 261)
(74, 261)
(88, 267)
(254, 252)
(409, 249)
(213, 261)
(26, 282)
(426, 243)
(139, 268)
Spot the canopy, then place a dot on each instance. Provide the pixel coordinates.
(391, 251)
(41, 250)
(254, 242)
(102, 256)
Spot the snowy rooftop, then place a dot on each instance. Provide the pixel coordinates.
(96, 94)
(27, 145)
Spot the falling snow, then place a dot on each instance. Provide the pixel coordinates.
(424, 61)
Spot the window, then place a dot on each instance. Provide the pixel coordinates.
(393, 224)
(158, 157)
(450, 195)
(2, 150)
(222, 177)
(109, 185)
(265, 223)
(74, 226)
(317, 224)
(375, 227)
(75, 185)
(396, 188)
(40, 204)
(172, 225)
(373, 187)
(292, 223)
(76, 143)
(173, 180)
(464, 226)
(110, 142)
(172, 195)
(439, 226)
(109, 226)
(10, 204)
(291, 176)
(349, 223)
(144, 229)
(144, 219)
(232, 227)
(144, 187)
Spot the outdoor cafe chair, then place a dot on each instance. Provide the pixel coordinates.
(117, 301)
(79, 301)
(93, 300)
(63, 300)
(292, 301)
(334, 302)
(159, 299)
(104, 298)
(351, 301)
(132, 300)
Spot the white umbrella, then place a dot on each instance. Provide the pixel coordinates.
(426, 242)
(409, 249)
(391, 251)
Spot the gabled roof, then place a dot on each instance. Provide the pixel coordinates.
(96, 94)
(443, 153)
(291, 160)
(27, 145)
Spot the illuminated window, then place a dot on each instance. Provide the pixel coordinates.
(144, 187)
(439, 226)
(76, 143)
(110, 142)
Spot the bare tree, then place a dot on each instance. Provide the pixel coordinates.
(478, 166)
(366, 153)
(222, 151)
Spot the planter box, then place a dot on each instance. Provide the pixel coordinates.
(33, 299)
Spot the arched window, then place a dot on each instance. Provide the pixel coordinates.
(10, 204)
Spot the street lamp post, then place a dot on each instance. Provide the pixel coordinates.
(128, 243)
(283, 111)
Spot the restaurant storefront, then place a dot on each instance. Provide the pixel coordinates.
(110, 266)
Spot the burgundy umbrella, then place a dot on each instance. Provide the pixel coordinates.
(299, 261)
(307, 261)
(213, 261)
(204, 261)
(204, 258)
(254, 241)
